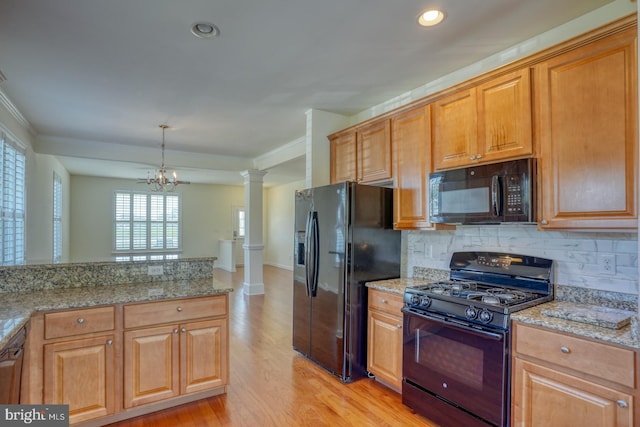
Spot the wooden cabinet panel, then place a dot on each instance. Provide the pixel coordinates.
(504, 117)
(11, 357)
(374, 152)
(592, 358)
(455, 129)
(587, 125)
(77, 322)
(150, 365)
(203, 355)
(411, 134)
(343, 157)
(81, 373)
(384, 337)
(153, 313)
(486, 123)
(545, 397)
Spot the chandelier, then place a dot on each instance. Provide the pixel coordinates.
(160, 181)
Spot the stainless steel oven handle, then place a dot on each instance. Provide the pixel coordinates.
(496, 336)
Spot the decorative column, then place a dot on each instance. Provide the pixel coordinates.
(253, 246)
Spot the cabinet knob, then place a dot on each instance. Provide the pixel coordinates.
(384, 301)
(472, 157)
(179, 308)
(544, 222)
(399, 326)
(175, 331)
(184, 329)
(565, 350)
(479, 156)
(109, 342)
(622, 403)
(80, 320)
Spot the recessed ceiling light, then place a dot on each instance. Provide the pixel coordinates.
(430, 17)
(205, 30)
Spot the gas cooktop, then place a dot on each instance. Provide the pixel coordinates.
(484, 287)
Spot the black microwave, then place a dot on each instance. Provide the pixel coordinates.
(484, 194)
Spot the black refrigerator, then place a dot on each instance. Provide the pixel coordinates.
(343, 238)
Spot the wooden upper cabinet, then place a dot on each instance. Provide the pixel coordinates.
(343, 157)
(374, 152)
(587, 111)
(411, 160)
(504, 117)
(486, 123)
(455, 129)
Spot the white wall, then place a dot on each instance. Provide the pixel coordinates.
(206, 216)
(280, 211)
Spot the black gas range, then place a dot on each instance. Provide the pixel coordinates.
(456, 336)
(484, 287)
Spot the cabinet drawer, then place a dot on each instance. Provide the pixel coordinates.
(589, 357)
(385, 301)
(171, 311)
(76, 322)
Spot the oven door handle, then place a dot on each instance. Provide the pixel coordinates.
(496, 336)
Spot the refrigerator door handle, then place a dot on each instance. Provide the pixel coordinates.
(312, 246)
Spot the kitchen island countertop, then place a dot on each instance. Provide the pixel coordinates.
(17, 307)
(534, 316)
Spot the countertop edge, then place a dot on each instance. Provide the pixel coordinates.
(18, 307)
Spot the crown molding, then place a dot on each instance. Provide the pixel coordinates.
(13, 110)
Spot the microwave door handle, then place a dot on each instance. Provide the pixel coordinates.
(496, 195)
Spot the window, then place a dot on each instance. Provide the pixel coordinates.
(146, 222)
(239, 222)
(12, 201)
(57, 218)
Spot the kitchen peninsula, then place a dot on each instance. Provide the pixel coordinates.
(140, 342)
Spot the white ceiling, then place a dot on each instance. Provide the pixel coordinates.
(95, 78)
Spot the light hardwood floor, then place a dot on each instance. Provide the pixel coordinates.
(273, 385)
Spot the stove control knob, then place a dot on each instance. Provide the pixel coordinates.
(415, 300)
(485, 316)
(471, 312)
(425, 301)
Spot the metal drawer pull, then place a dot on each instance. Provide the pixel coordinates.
(109, 342)
(179, 309)
(175, 331)
(80, 320)
(622, 403)
(184, 329)
(565, 350)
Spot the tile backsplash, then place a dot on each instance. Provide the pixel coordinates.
(581, 258)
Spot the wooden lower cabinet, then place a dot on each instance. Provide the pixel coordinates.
(81, 373)
(548, 397)
(384, 338)
(115, 362)
(168, 361)
(563, 380)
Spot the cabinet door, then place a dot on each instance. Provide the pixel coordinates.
(544, 397)
(384, 352)
(455, 130)
(81, 373)
(151, 362)
(374, 152)
(504, 117)
(587, 125)
(203, 354)
(343, 158)
(411, 166)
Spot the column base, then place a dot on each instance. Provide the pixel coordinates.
(253, 288)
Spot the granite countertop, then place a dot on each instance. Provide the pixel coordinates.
(17, 307)
(535, 316)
